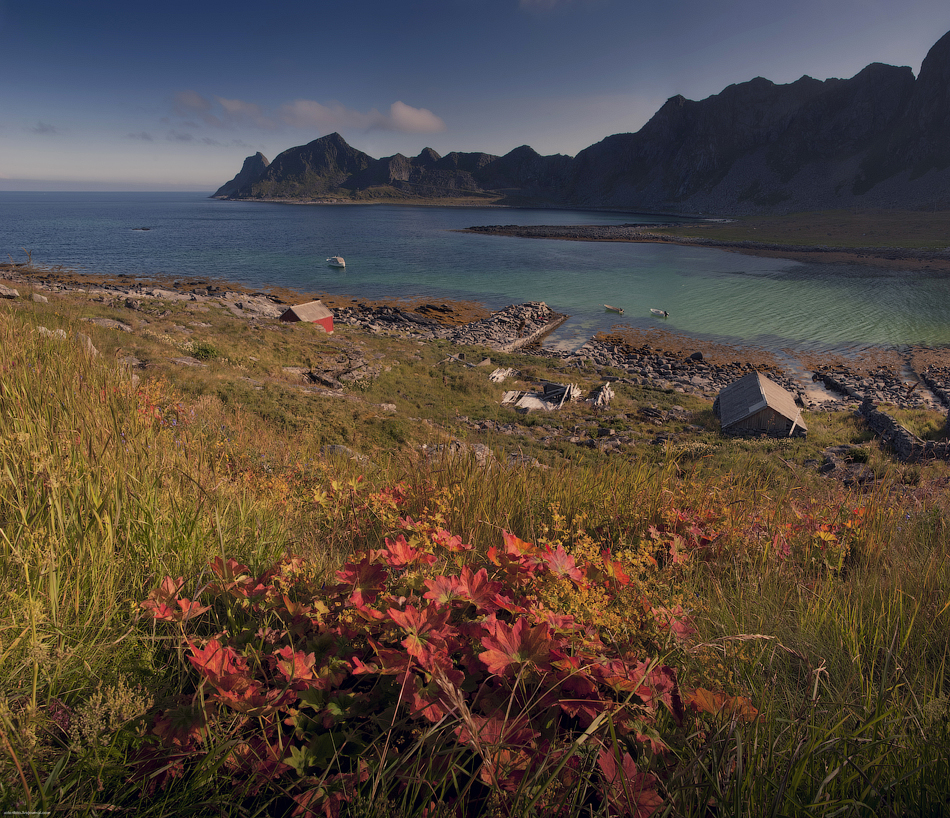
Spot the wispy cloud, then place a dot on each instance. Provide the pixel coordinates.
(194, 110)
(547, 5)
(240, 112)
(190, 104)
(45, 129)
(142, 136)
(305, 113)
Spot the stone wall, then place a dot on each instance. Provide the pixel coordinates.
(906, 445)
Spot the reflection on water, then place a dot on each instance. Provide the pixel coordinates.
(394, 251)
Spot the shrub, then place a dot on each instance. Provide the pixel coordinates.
(415, 679)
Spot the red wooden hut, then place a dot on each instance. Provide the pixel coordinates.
(313, 312)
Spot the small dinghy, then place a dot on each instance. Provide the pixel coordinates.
(661, 313)
(618, 310)
(336, 261)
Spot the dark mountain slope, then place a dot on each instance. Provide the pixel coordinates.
(312, 170)
(254, 167)
(879, 139)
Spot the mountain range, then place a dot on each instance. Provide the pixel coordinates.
(879, 139)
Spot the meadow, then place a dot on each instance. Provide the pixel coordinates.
(227, 593)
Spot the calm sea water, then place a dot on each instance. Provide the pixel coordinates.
(396, 251)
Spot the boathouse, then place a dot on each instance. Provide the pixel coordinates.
(754, 405)
(313, 312)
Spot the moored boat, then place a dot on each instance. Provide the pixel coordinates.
(336, 261)
(613, 309)
(661, 313)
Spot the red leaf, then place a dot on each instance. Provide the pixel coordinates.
(366, 578)
(426, 628)
(160, 600)
(190, 609)
(676, 620)
(615, 570)
(400, 554)
(627, 789)
(449, 542)
(231, 570)
(562, 564)
(523, 644)
(478, 589)
(443, 590)
(295, 665)
(716, 702)
(217, 662)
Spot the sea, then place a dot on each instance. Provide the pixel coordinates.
(395, 251)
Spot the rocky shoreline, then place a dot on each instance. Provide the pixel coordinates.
(880, 256)
(684, 369)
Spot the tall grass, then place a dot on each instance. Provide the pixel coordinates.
(103, 489)
(108, 484)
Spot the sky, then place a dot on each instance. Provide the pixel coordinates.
(103, 95)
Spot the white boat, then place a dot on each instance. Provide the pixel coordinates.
(336, 261)
(662, 313)
(613, 309)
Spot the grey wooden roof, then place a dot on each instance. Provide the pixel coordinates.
(311, 311)
(752, 393)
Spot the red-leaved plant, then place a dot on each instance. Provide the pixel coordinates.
(450, 688)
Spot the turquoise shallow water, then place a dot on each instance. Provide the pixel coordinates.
(394, 251)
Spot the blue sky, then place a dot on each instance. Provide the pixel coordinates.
(173, 95)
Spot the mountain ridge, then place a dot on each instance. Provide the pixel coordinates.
(880, 139)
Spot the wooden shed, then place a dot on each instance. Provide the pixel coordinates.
(313, 312)
(755, 405)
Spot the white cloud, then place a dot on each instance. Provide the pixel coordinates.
(406, 119)
(193, 110)
(306, 113)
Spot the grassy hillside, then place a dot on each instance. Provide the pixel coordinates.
(229, 590)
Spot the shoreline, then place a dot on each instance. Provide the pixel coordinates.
(890, 257)
(879, 372)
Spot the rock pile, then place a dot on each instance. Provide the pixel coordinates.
(506, 330)
(687, 374)
(509, 329)
(882, 386)
(392, 319)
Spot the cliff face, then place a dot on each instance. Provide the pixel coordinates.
(253, 167)
(880, 138)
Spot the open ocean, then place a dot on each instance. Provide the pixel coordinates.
(398, 250)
